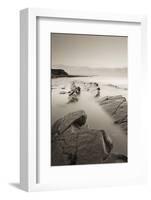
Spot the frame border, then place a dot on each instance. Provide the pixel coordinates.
(28, 81)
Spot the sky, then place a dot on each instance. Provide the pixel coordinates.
(93, 51)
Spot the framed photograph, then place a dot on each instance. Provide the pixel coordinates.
(81, 83)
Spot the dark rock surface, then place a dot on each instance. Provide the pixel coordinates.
(64, 123)
(74, 143)
(116, 106)
(58, 73)
(63, 92)
(73, 98)
(74, 93)
(55, 73)
(116, 158)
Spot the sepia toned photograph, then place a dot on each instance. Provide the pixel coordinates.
(89, 99)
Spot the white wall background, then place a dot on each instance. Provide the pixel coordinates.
(9, 98)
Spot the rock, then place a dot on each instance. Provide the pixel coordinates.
(109, 99)
(96, 84)
(55, 73)
(74, 93)
(72, 99)
(53, 88)
(63, 92)
(116, 106)
(78, 90)
(116, 158)
(78, 118)
(116, 86)
(92, 147)
(75, 143)
(98, 92)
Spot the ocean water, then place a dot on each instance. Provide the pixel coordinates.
(97, 118)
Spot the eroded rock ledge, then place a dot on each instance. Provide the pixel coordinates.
(116, 106)
(74, 143)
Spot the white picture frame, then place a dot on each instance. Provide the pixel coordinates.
(29, 149)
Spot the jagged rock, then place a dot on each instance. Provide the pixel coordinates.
(116, 106)
(72, 99)
(78, 90)
(98, 92)
(74, 93)
(73, 143)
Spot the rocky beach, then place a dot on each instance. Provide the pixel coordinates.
(89, 120)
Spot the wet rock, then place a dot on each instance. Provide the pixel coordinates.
(96, 84)
(63, 92)
(98, 92)
(116, 106)
(92, 146)
(116, 86)
(116, 158)
(74, 93)
(72, 99)
(78, 90)
(73, 143)
(78, 118)
(53, 88)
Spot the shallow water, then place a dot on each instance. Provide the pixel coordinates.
(97, 118)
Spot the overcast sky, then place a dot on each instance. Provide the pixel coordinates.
(89, 50)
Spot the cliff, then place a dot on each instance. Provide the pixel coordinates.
(56, 73)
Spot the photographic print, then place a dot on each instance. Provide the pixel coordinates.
(89, 99)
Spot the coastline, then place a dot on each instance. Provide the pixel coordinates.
(98, 117)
